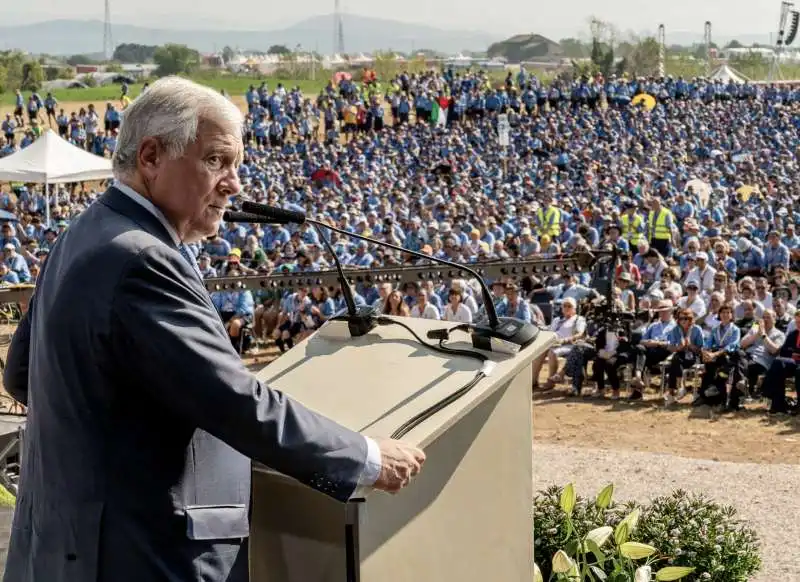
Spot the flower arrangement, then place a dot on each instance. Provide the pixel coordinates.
(680, 537)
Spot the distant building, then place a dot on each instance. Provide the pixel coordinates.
(86, 69)
(526, 47)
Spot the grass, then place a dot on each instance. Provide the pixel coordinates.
(233, 85)
(6, 498)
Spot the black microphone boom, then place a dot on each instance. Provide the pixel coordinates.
(505, 334)
(360, 320)
(249, 217)
(277, 215)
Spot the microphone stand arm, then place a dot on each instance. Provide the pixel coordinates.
(487, 297)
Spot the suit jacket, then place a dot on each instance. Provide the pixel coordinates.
(142, 419)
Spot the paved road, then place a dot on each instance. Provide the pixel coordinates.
(6, 513)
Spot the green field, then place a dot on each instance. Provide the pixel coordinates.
(235, 86)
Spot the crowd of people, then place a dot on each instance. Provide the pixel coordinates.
(699, 193)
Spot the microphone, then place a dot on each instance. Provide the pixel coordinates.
(249, 217)
(499, 334)
(360, 320)
(265, 215)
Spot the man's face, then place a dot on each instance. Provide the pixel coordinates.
(193, 190)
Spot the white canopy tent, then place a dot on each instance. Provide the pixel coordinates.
(727, 74)
(53, 160)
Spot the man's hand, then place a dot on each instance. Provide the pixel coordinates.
(400, 462)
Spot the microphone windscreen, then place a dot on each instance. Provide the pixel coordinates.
(278, 215)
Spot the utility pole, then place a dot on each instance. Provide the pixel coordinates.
(108, 42)
(775, 66)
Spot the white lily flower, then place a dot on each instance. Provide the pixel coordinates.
(643, 574)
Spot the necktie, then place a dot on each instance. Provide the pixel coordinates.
(187, 254)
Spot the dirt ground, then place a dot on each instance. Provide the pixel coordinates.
(746, 436)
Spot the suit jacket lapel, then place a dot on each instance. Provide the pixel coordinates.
(122, 203)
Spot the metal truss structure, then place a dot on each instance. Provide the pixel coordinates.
(507, 270)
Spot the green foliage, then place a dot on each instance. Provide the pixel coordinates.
(7, 498)
(681, 537)
(643, 58)
(176, 59)
(227, 54)
(133, 53)
(114, 68)
(75, 60)
(278, 49)
(604, 553)
(699, 532)
(90, 80)
(52, 73)
(32, 76)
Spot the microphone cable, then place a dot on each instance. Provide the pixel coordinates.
(424, 415)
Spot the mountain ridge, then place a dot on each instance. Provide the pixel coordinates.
(362, 34)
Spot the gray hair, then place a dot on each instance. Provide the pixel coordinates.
(170, 110)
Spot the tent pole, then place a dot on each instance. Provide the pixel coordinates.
(47, 205)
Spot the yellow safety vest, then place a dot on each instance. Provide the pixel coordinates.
(657, 225)
(631, 228)
(549, 222)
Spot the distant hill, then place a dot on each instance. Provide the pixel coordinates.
(525, 47)
(362, 34)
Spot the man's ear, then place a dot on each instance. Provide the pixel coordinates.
(149, 157)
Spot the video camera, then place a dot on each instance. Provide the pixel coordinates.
(602, 312)
(599, 313)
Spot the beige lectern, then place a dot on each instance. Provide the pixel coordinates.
(466, 518)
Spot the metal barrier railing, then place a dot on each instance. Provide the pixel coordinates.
(513, 270)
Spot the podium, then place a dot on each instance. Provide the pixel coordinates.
(466, 518)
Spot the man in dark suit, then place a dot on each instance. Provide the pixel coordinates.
(142, 419)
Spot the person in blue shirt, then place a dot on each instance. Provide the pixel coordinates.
(776, 254)
(719, 357)
(686, 343)
(236, 308)
(653, 347)
(322, 305)
(16, 263)
(512, 305)
(7, 276)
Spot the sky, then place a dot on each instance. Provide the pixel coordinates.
(557, 19)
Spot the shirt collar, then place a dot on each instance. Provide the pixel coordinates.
(150, 207)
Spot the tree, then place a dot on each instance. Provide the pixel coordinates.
(75, 60)
(573, 48)
(175, 59)
(227, 54)
(699, 51)
(132, 53)
(604, 38)
(114, 68)
(32, 76)
(734, 44)
(53, 73)
(278, 49)
(643, 59)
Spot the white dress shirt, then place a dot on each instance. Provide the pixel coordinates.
(374, 462)
(428, 312)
